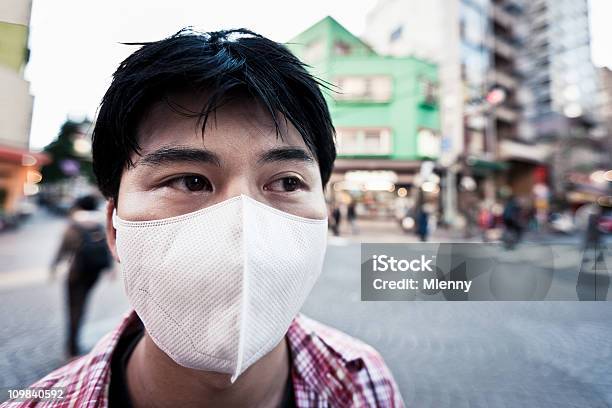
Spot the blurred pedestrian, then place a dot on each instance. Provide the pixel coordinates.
(337, 219)
(351, 216)
(84, 244)
(485, 222)
(422, 222)
(593, 281)
(512, 221)
(592, 234)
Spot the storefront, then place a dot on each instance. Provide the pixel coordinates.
(19, 177)
(389, 191)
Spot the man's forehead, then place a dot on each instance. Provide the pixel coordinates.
(178, 119)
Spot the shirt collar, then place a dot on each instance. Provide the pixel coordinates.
(100, 356)
(322, 361)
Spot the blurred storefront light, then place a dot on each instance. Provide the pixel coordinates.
(365, 176)
(408, 223)
(82, 146)
(605, 201)
(28, 160)
(572, 110)
(350, 185)
(379, 186)
(30, 189)
(598, 177)
(368, 181)
(430, 187)
(33, 177)
(402, 192)
(468, 183)
(608, 175)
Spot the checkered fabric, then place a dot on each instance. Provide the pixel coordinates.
(329, 369)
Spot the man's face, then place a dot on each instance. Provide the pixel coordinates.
(179, 171)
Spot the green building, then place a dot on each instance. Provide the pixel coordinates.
(385, 109)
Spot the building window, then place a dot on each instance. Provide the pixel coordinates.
(364, 88)
(396, 34)
(429, 92)
(313, 51)
(429, 143)
(342, 48)
(473, 25)
(363, 141)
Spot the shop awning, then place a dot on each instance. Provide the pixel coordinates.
(344, 165)
(486, 165)
(23, 157)
(514, 150)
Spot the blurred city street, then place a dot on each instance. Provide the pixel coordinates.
(443, 354)
(454, 121)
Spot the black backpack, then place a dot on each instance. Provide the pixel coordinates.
(93, 254)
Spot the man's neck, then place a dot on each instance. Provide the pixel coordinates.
(155, 380)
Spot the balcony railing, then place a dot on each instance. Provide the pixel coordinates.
(504, 48)
(502, 78)
(503, 17)
(506, 114)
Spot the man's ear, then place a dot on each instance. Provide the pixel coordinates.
(111, 234)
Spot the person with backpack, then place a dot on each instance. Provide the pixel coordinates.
(84, 243)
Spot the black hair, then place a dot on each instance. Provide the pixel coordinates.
(88, 203)
(219, 63)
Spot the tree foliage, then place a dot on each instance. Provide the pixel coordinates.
(65, 161)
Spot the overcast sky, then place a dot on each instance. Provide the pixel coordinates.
(75, 44)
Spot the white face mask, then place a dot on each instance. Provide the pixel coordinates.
(217, 289)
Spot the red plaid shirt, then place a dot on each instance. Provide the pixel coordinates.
(329, 369)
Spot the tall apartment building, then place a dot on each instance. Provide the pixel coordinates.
(605, 108)
(476, 44)
(564, 104)
(17, 164)
(421, 29)
(557, 66)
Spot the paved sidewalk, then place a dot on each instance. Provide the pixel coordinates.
(26, 252)
(389, 230)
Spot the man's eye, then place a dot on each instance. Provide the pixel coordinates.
(192, 183)
(285, 184)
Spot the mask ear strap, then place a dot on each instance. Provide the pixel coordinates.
(115, 218)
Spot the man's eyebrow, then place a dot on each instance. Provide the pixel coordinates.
(285, 154)
(174, 154)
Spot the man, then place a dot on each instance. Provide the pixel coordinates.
(84, 242)
(213, 150)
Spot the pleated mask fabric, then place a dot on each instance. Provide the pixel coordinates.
(217, 289)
